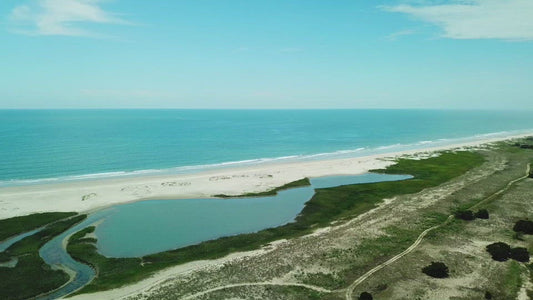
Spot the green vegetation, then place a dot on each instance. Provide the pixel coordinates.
(327, 205)
(17, 225)
(466, 215)
(365, 296)
(499, 251)
(4, 257)
(436, 270)
(524, 226)
(32, 276)
(520, 254)
(273, 192)
(482, 214)
(511, 282)
(329, 281)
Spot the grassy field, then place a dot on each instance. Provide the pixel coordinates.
(327, 205)
(17, 225)
(272, 192)
(32, 276)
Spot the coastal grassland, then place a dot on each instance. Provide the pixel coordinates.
(295, 184)
(327, 205)
(337, 256)
(461, 244)
(32, 276)
(17, 225)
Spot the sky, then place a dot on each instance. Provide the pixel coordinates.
(455, 54)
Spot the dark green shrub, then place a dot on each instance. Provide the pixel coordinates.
(520, 254)
(365, 296)
(466, 215)
(524, 226)
(499, 251)
(436, 270)
(482, 214)
(518, 236)
(488, 295)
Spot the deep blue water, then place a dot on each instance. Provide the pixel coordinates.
(73, 144)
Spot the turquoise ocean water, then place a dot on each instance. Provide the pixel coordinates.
(57, 145)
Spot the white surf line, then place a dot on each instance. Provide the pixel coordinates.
(350, 289)
(307, 286)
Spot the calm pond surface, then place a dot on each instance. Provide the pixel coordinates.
(147, 227)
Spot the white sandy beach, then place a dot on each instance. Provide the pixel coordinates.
(83, 196)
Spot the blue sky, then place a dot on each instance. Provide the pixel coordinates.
(266, 54)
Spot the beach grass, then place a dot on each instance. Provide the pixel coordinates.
(295, 184)
(327, 205)
(17, 225)
(32, 276)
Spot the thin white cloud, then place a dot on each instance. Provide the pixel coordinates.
(396, 35)
(476, 19)
(60, 17)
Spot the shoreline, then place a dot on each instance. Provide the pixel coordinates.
(91, 195)
(253, 162)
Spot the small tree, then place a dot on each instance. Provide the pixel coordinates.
(436, 270)
(499, 251)
(466, 215)
(482, 214)
(488, 295)
(520, 254)
(365, 296)
(524, 226)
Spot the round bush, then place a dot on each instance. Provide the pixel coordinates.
(520, 254)
(365, 296)
(524, 226)
(436, 270)
(466, 215)
(482, 214)
(499, 251)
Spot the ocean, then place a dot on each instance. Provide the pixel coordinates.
(40, 146)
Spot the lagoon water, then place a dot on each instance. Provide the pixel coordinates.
(56, 145)
(147, 227)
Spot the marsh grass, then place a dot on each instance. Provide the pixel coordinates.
(32, 276)
(17, 225)
(295, 184)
